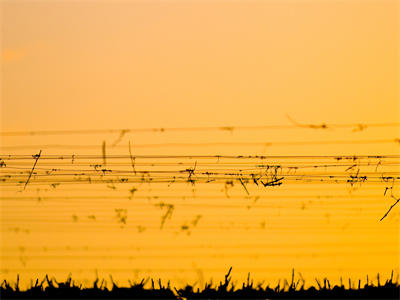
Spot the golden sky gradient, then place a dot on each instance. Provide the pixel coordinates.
(69, 65)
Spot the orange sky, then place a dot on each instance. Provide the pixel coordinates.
(149, 64)
(133, 64)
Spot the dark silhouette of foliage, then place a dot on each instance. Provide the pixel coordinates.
(50, 288)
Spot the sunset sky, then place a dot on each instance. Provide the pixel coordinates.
(74, 65)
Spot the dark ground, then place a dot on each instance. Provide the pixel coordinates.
(51, 289)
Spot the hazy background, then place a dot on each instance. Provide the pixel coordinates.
(139, 64)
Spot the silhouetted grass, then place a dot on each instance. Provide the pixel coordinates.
(51, 289)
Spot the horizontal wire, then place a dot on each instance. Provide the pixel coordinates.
(217, 157)
(237, 162)
(200, 244)
(85, 181)
(163, 207)
(212, 175)
(219, 247)
(206, 144)
(192, 255)
(193, 233)
(356, 126)
(295, 181)
(154, 207)
(313, 227)
(204, 176)
(99, 218)
(291, 165)
(186, 197)
(148, 176)
(183, 168)
(223, 269)
(145, 187)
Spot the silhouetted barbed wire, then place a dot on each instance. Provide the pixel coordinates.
(351, 170)
(215, 157)
(208, 144)
(294, 125)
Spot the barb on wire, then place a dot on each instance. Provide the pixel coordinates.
(36, 157)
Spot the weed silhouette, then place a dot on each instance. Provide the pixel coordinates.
(50, 288)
